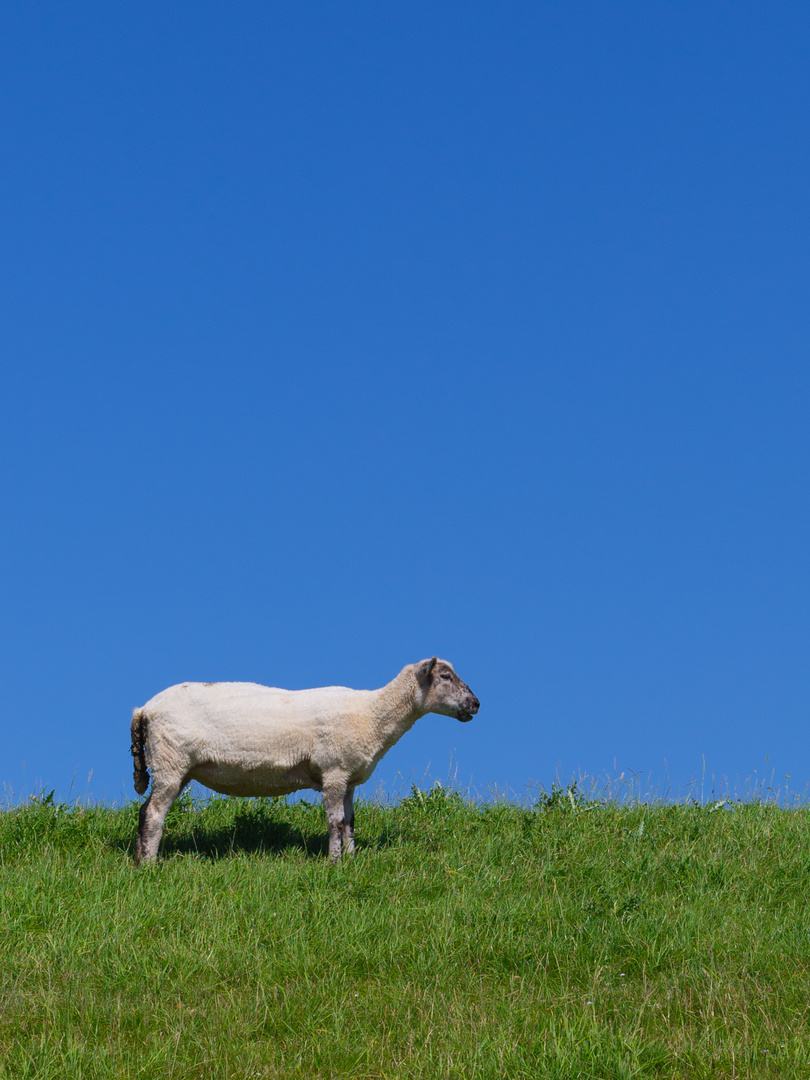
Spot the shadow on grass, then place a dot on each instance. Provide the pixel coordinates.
(273, 837)
(226, 827)
(251, 830)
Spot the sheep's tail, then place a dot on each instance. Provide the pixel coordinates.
(141, 773)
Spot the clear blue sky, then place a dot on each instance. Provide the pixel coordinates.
(339, 335)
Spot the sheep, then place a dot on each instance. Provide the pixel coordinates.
(245, 739)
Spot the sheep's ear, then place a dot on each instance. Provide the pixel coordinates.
(425, 669)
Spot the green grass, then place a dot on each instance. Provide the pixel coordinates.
(572, 939)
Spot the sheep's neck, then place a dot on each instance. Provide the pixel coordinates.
(395, 713)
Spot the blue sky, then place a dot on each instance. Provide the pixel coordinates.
(336, 336)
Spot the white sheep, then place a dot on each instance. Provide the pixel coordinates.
(246, 739)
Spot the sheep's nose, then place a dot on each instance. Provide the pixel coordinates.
(476, 704)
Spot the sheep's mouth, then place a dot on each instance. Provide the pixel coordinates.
(464, 716)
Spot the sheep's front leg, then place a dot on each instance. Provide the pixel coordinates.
(348, 822)
(333, 801)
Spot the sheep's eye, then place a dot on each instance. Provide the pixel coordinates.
(445, 675)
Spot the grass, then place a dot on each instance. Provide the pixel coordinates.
(571, 939)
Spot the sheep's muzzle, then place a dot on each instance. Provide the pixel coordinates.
(465, 715)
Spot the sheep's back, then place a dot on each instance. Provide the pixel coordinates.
(247, 723)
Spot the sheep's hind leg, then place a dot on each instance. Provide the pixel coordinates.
(152, 816)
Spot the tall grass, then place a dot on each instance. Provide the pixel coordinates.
(577, 937)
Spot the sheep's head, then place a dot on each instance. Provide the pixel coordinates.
(444, 692)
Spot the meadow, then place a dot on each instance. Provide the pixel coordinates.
(575, 937)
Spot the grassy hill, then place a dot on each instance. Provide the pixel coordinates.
(571, 939)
